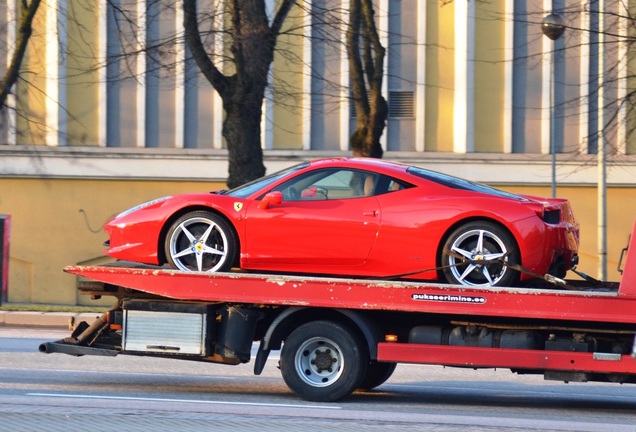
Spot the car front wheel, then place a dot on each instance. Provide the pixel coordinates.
(201, 241)
(480, 241)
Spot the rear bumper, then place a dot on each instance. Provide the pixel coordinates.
(551, 249)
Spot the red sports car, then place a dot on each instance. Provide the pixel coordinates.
(354, 217)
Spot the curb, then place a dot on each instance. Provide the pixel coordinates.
(44, 319)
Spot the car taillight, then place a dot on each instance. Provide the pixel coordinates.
(552, 216)
(538, 208)
(546, 212)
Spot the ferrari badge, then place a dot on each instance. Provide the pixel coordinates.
(238, 206)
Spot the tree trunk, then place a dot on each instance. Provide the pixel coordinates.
(253, 40)
(366, 66)
(24, 33)
(242, 131)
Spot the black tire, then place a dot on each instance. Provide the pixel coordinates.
(377, 374)
(323, 361)
(201, 241)
(476, 241)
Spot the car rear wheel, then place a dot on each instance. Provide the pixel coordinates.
(480, 241)
(201, 241)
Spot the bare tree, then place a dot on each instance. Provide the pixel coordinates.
(253, 41)
(366, 66)
(250, 37)
(601, 33)
(25, 29)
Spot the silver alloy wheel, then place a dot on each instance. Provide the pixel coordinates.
(198, 244)
(478, 245)
(319, 362)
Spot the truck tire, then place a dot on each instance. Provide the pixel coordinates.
(377, 374)
(323, 361)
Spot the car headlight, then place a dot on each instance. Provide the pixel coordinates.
(141, 206)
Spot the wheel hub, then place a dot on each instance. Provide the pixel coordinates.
(479, 255)
(323, 360)
(319, 362)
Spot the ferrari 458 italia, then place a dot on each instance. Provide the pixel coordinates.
(355, 217)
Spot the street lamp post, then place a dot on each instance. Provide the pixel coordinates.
(553, 27)
(601, 149)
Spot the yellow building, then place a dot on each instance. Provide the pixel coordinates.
(102, 120)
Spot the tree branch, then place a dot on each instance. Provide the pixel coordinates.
(193, 38)
(282, 13)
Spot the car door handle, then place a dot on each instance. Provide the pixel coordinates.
(373, 213)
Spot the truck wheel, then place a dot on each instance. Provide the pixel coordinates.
(323, 361)
(377, 374)
(480, 241)
(201, 241)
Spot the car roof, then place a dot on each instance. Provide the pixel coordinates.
(372, 164)
(414, 175)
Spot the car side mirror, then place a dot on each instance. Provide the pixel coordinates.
(270, 199)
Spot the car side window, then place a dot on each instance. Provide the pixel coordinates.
(321, 184)
(332, 183)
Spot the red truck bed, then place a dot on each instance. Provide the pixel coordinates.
(586, 305)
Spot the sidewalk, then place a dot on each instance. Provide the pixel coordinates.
(44, 319)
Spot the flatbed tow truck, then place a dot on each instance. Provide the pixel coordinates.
(337, 335)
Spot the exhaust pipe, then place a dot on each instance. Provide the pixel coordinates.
(68, 346)
(46, 348)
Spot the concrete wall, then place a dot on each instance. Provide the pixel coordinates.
(57, 222)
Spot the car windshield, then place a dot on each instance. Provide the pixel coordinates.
(248, 189)
(457, 183)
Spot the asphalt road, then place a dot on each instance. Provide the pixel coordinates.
(56, 392)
